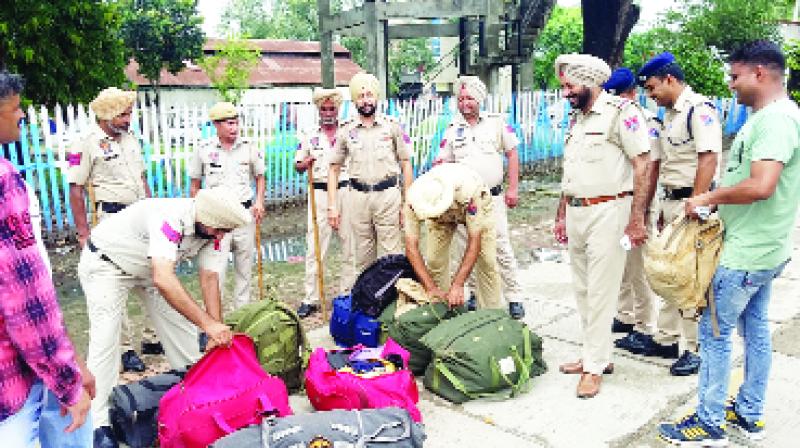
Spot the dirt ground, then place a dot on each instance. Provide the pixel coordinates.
(530, 224)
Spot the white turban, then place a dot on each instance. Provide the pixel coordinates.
(473, 85)
(320, 95)
(220, 208)
(112, 102)
(431, 194)
(582, 69)
(362, 82)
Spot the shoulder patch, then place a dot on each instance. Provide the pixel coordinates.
(171, 233)
(631, 123)
(74, 158)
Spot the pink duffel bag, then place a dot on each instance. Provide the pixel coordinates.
(351, 384)
(225, 391)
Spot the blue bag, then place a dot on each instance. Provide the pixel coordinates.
(341, 325)
(367, 330)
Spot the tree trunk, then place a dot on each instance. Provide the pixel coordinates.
(606, 26)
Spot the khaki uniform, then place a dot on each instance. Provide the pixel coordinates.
(636, 299)
(678, 155)
(481, 147)
(375, 153)
(236, 168)
(125, 245)
(471, 208)
(316, 144)
(114, 170)
(597, 163)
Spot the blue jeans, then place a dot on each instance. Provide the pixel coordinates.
(40, 420)
(742, 300)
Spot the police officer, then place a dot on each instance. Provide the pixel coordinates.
(109, 158)
(234, 162)
(480, 141)
(604, 191)
(445, 197)
(379, 151)
(314, 152)
(635, 310)
(685, 167)
(139, 247)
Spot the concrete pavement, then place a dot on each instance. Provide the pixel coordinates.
(640, 394)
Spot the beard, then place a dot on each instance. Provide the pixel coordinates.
(118, 130)
(581, 99)
(366, 110)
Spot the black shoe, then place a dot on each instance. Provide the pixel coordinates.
(688, 364)
(131, 362)
(307, 309)
(634, 342)
(516, 310)
(152, 348)
(104, 438)
(472, 302)
(621, 327)
(202, 340)
(652, 348)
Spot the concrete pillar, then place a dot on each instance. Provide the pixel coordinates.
(376, 40)
(326, 46)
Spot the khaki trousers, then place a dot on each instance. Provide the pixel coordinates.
(486, 271)
(597, 261)
(636, 304)
(375, 222)
(671, 324)
(242, 242)
(106, 288)
(325, 232)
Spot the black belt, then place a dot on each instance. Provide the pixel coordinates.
(676, 194)
(380, 186)
(248, 203)
(324, 185)
(104, 257)
(496, 190)
(111, 207)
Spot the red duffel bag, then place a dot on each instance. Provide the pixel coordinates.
(225, 391)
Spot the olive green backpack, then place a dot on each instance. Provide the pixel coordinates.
(279, 338)
(482, 353)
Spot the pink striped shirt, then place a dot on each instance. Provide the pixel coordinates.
(33, 341)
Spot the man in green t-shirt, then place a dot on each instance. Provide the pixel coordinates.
(758, 203)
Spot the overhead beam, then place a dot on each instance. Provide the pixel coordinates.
(344, 20)
(410, 31)
(431, 9)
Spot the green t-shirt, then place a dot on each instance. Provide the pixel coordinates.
(758, 235)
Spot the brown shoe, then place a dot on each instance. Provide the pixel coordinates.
(589, 385)
(576, 367)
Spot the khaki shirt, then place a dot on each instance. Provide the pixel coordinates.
(472, 204)
(678, 152)
(375, 152)
(317, 145)
(113, 168)
(235, 168)
(481, 147)
(150, 228)
(654, 129)
(600, 145)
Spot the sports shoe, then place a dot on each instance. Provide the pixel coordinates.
(516, 310)
(634, 342)
(691, 432)
(619, 326)
(652, 348)
(688, 364)
(307, 309)
(131, 362)
(152, 348)
(751, 430)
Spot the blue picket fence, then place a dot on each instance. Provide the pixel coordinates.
(540, 120)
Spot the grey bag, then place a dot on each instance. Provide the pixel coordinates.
(368, 428)
(134, 408)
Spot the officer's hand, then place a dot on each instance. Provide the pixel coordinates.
(258, 211)
(692, 203)
(636, 231)
(436, 293)
(87, 379)
(305, 163)
(78, 411)
(560, 231)
(218, 334)
(455, 297)
(333, 218)
(512, 198)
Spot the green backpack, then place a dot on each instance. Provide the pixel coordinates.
(408, 329)
(480, 354)
(279, 338)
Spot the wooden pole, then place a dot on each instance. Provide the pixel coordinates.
(260, 262)
(317, 253)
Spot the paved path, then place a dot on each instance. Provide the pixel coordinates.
(640, 394)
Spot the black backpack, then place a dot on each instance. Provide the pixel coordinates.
(374, 289)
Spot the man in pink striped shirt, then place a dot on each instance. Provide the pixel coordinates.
(35, 350)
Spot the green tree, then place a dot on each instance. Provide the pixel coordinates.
(409, 55)
(562, 34)
(67, 50)
(229, 69)
(161, 35)
(244, 17)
